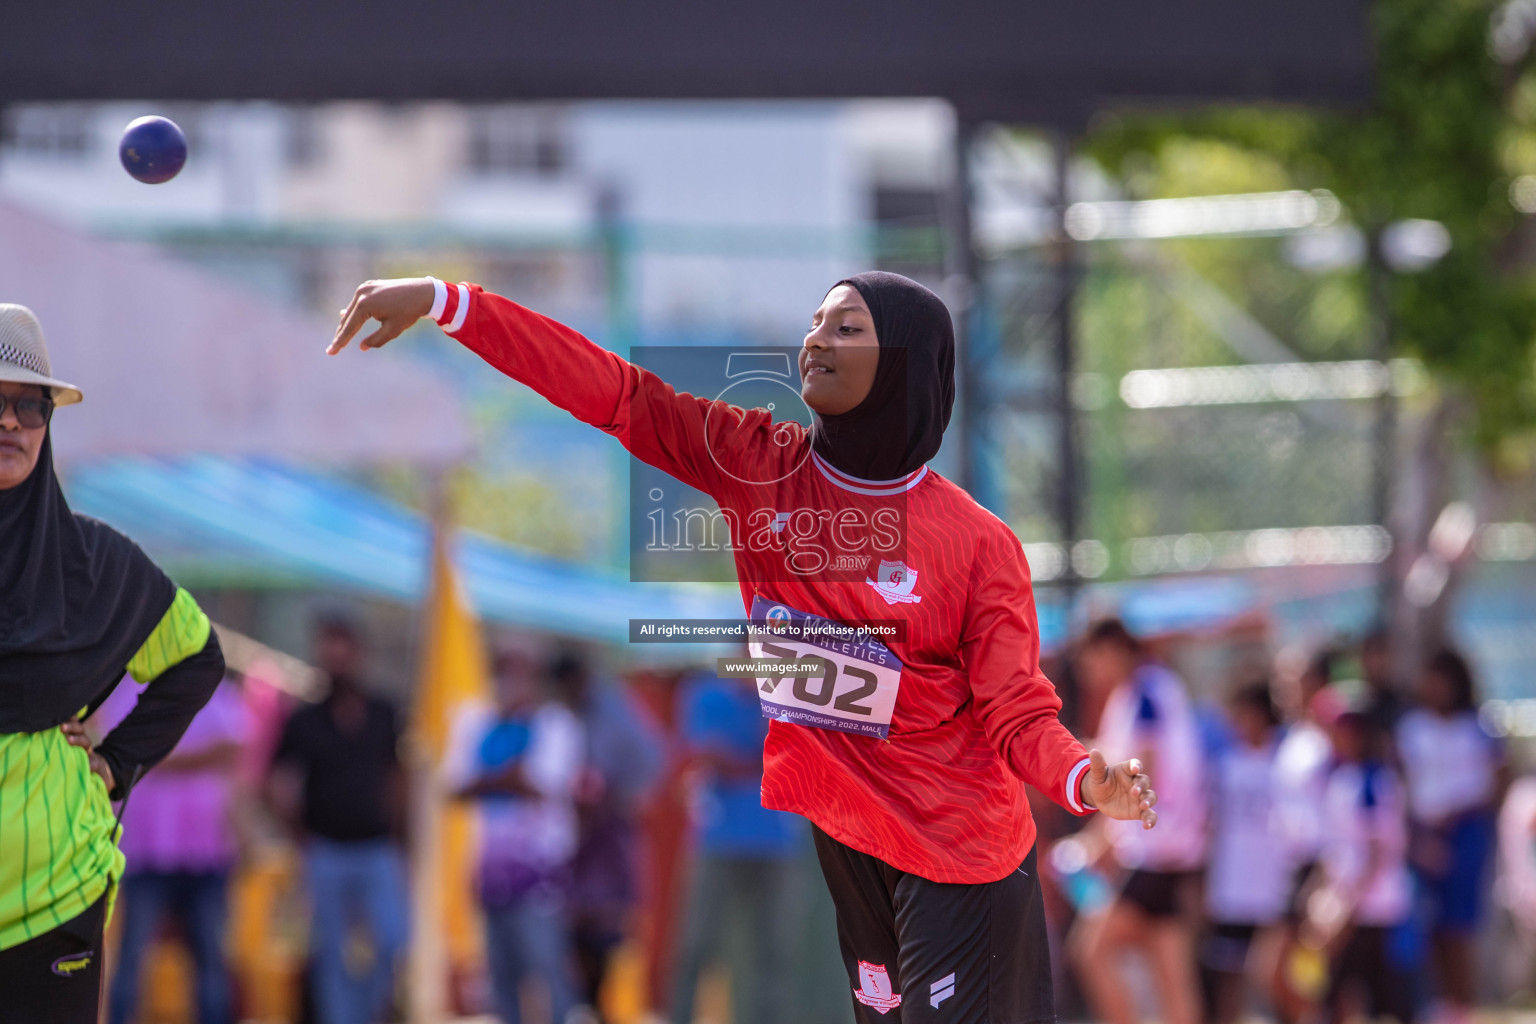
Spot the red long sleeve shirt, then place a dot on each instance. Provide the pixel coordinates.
(942, 796)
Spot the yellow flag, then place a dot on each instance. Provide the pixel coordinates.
(453, 674)
(454, 670)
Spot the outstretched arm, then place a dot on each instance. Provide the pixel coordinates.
(693, 439)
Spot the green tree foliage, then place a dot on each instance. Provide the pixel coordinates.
(1446, 132)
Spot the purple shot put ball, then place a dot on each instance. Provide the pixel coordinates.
(153, 149)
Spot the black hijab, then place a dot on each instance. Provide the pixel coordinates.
(77, 601)
(900, 424)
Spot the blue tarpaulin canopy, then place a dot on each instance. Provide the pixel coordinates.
(247, 522)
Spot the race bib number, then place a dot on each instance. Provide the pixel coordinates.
(856, 694)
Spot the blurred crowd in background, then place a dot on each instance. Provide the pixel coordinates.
(1326, 843)
(1334, 842)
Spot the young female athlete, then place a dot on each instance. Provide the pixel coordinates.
(910, 753)
(80, 605)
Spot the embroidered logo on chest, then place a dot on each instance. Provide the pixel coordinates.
(895, 582)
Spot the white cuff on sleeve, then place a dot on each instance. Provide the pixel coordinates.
(439, 298)
(461, 313)
(1074, 786)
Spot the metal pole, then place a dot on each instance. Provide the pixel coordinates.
(617, 253)
(1384, 440)
(427, 960)
(1063, 293)
(962, 285)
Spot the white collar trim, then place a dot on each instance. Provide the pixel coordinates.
(858, 485)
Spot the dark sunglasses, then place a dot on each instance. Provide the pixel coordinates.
(31, 412)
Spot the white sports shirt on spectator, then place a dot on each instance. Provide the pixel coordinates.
(1365, 805)
(1249, 880)
(1152, 714)
(538, 831)
(1452, 765)
(1301, 783)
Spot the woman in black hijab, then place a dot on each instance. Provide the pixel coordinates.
(899, 424)
(80, 606)
(910, 750)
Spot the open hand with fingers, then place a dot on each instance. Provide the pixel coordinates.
(395, 304)
(1120, 790)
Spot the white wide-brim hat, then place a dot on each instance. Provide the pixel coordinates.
(24, 354)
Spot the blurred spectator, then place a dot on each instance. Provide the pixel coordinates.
(624, 760)
(1249, 879)
(1302, 763)
(1148, 715)
(1365, 891)
(179, 838)
(742, 902)
(519, 762)
(336, 779)
(1454, 772)
(1384, 697)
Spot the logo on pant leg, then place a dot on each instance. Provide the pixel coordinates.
(875, 988)
(65, 966)
(941, 990)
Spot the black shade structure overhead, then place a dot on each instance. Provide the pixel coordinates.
(1009, 60)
